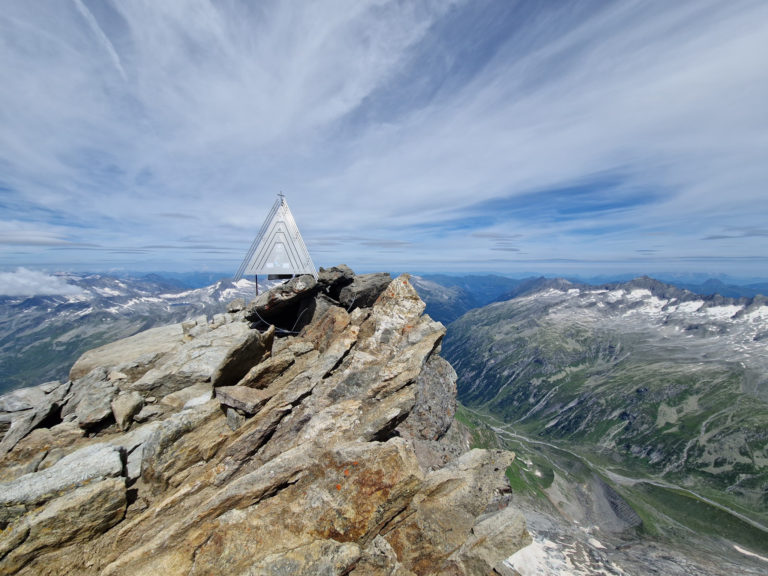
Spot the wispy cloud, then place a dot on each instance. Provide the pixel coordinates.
(405, 134)
(24, 282)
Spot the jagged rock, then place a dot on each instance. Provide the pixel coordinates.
(242, 356)
(236, 305)
(279, 305)
(200, 358)
(262, 375)
(363, 290)
(79, 516)
(234, 419)
(248, 400)
(435, 401)
(332, 280)
(180, 441)
(90, 399)
(318, 480)
(454, 496)
(21, 411)
(379, 559)
(488, 540)
(125, 407)
(143, 348)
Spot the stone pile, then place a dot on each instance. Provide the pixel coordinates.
(247, 446)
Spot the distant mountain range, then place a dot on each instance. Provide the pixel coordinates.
(42, 336)
(642, 379)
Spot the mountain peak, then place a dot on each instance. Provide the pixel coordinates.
(311, 432)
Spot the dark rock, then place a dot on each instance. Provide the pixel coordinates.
(281, 304)
(332, 280)
(364, 290)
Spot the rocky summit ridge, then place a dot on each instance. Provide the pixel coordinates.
(310, 432)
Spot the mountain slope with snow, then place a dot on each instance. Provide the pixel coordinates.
(41, 336)
(649, 376)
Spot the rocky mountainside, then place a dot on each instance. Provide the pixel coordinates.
(41, 336)
(311, 432)
(661, 393)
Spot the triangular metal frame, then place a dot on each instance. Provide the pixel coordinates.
(278, 248)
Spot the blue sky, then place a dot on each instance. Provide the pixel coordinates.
(510, 137)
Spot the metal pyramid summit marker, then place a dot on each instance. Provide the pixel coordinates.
(278, 249)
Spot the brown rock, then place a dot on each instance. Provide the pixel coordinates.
(76, 517)
(262, 375)
(248, 400)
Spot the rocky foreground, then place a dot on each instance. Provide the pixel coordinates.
(311, 432)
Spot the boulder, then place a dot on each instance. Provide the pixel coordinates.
(125, 407)
(219, 353)
(81, 467)
(280, 305)
(197, 393)
(242, 356)
(363, 291)
(147, 413)
(332, 280)
(90, 399)
(236, 305)
(80, 516)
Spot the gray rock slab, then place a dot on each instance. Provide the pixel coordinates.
(88, 463)
(21, 411)
(242, 355)
(145, 344)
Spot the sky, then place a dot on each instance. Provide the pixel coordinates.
(522, 137)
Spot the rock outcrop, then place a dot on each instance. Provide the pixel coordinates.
(236, 448)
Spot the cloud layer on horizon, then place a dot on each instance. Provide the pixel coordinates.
(419, 135)
(24, 282)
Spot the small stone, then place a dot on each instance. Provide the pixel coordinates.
(235, 419)
(147, 413)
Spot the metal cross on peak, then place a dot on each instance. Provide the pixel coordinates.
(282, 196)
